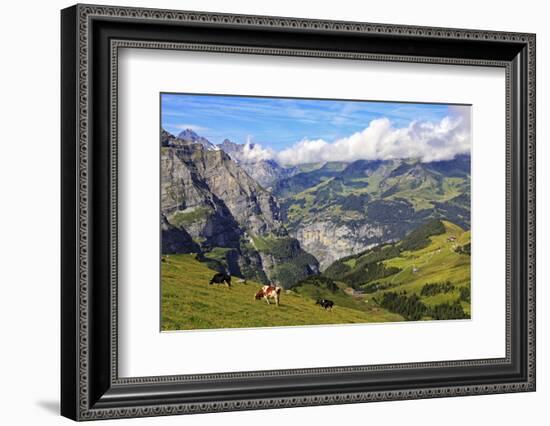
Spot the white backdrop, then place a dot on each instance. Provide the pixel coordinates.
(29, 219)
(146, 352)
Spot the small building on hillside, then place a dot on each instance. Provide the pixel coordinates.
(354, 293)
(349, 291)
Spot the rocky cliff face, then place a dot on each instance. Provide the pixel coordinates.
(176, 240)
(329, 241)
(266, 172)
(207, 195)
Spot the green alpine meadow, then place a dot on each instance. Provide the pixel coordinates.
(299, 212)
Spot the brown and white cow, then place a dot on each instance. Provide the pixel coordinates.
(269, 292)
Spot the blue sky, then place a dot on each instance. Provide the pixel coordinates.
(279, 123)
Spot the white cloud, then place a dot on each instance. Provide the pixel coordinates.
(426, 141)
(254, 153)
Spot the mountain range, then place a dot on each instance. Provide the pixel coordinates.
(258, 219)
(340, 209)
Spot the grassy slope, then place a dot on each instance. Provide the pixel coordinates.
(366, 304)
(189, 302)
(437, 262)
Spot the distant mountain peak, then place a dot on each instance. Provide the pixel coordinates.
(171, 141)
(229, 146)
(189, 135)
(362, 168)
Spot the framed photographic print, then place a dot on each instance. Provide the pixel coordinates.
(263, 212)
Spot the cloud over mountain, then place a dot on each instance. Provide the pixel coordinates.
(380, 140)
(427, 141)
(253, 153)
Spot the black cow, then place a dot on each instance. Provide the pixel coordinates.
(221, 278)
(325, 303)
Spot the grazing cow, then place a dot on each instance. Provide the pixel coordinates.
(325, 303)
(242, 281)
(221, 278)
(269, 292)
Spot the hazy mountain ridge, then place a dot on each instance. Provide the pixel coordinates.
(264, 171)
(334, 214)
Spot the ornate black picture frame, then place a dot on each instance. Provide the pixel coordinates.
(91, 36)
